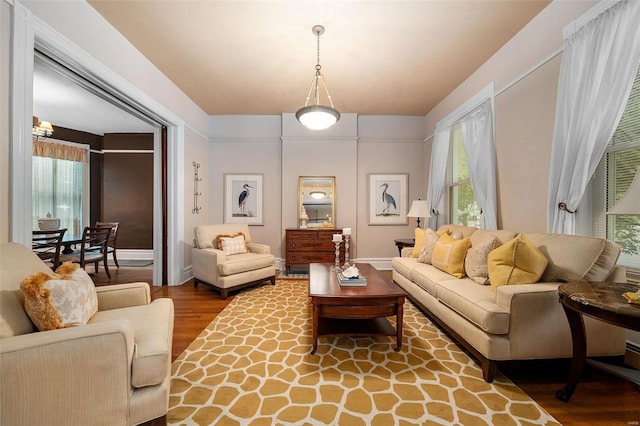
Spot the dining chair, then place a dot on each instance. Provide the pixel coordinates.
(93, 248)
(113, 238)
(47, 245)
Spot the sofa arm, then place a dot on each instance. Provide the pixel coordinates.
(205, 264)
(123, 295)
(406, 251)
(259, 248)
(68, 376)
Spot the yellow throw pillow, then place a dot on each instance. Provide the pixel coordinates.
(64, 299)
(419, 237)
(518, 261)
(448, 255)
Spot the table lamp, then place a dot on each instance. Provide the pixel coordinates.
(419, 209)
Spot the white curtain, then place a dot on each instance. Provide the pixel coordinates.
(438, 175)
(598, 67)
(479, 144)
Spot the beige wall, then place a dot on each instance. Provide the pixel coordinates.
(280, 149)
(524, 113)
(5, 55)
(196, 149)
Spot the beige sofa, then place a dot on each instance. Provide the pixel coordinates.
(515, 322)
(115, 370)
(225, 272)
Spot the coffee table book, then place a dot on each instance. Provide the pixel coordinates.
(358, 281)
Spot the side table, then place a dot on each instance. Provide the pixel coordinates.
(602, 301)
(404, 242)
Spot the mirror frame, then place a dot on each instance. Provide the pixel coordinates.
(330, 186)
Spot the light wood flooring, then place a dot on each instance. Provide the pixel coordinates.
(600, 399)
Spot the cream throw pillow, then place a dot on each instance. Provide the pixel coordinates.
(233, 245)
(475, 264)
(64, 299)
(428, 244)
(518, 261)
(448, 255)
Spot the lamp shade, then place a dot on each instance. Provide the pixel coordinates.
(419, 209)
(629, 204)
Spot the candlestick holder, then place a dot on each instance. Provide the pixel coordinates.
(337, 266)
(346, 251)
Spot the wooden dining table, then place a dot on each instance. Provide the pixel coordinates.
(70, 240)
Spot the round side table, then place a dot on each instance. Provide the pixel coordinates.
(602, 301)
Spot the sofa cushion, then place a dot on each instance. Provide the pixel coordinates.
(573, 257)
(428, 277)
(153, 325)
(475, 264)
(404, 265)
(475, 303)
(466, 231)
(67, 298)
(448, 255)
(245, 262)
(517, 261)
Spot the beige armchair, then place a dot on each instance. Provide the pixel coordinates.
(225, 272)
(115, 370)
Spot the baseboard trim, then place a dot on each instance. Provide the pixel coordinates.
(134, 254)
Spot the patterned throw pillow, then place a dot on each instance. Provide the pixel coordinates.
(428, 244)
(518, 261)
(475, 265)
(64, 299)
(448, 255)
(232, 244)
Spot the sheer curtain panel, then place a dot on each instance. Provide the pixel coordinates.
(596, 75)
(437, 174)
(479, 143)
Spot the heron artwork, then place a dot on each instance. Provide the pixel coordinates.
(387, 199)
(242, 199)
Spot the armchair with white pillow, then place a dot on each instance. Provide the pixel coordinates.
(75, 354)
(225, 257)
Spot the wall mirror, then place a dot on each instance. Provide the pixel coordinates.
(317, 195)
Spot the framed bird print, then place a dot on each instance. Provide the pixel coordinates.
(388, 199)
(243, 199)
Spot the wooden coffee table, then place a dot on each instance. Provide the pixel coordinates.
(354, 311)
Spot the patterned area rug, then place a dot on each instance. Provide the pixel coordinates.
(252, 366)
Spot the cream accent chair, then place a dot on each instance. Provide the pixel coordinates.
(225, 272)
(115, 370)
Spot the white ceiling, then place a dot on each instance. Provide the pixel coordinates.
(378, 57)
(64, 103)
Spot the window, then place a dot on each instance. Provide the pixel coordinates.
(611, 181)
(59, 189)
(463, 208)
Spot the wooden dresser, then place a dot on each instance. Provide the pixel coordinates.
(305, 246)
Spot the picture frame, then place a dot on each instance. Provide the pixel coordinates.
(243, 198)
(388, 199)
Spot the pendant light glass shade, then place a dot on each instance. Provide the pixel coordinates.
(317, 116)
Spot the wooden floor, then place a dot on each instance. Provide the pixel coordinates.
(600, 399)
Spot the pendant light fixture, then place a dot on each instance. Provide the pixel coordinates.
(317, 116)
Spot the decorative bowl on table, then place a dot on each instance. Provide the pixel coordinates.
(48, 224)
